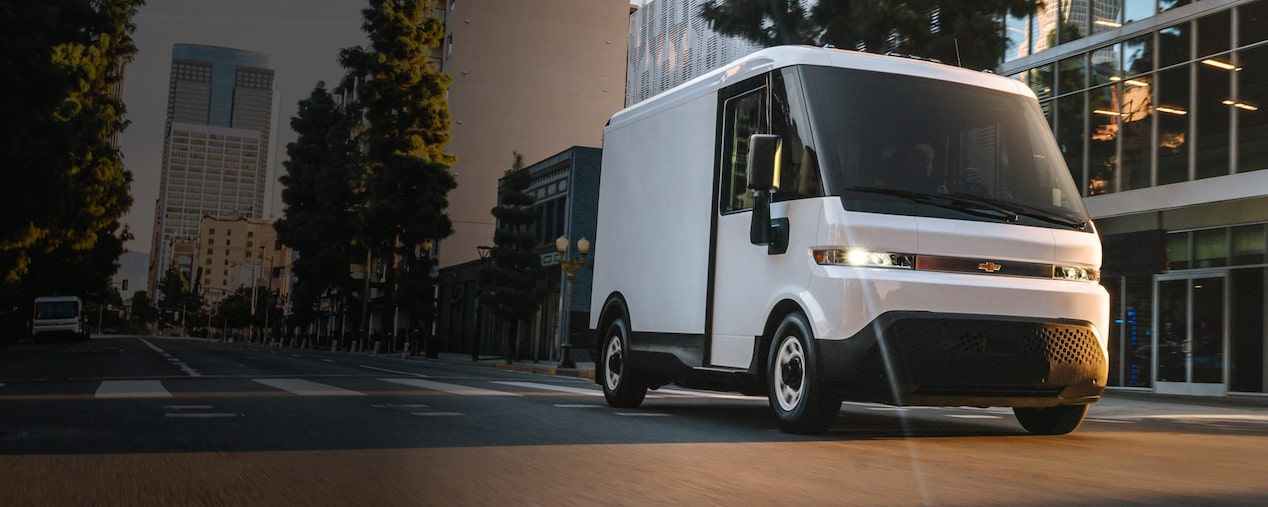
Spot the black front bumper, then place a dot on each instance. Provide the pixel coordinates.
(924, 358)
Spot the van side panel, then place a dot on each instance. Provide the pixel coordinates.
(654, 215)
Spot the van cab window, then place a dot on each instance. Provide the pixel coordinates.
(743, 116)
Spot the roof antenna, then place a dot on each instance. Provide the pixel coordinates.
(958, 63)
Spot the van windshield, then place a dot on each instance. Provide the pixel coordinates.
(48, 310)
(907, 145)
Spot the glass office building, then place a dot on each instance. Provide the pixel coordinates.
(1161, 110)
(216, 146)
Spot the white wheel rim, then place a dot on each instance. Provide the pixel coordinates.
(613, 356)
(790, 374)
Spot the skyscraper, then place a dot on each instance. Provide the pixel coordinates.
(216, 146)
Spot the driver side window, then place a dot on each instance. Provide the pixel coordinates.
(743, 115)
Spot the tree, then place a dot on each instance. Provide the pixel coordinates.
(64, 61)
(511, 281)
(967, 33)
(324, 174)
(407, 126)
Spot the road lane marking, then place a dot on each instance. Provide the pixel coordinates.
(392, 371)
(328, 360)
(175, 361)
(435, 414)
(131, 389)
(151, 346)
(576, 405)
(642, 414)
(700, 394)
(973, 416)
(448, 388)
(551, 387)
(306, 387)
(201, 415)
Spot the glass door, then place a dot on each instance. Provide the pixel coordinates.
(1190, 343)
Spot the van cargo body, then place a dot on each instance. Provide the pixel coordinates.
(821, 225)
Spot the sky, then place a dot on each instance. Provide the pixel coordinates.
(303, 36)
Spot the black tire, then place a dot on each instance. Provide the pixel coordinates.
(620, 385)
(797, 396)
(1057, 420)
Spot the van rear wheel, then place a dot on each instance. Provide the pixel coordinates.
(620, 386)
(1057, 420)
(798, 397)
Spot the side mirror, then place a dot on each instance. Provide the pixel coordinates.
(763, 178)
(763, 162)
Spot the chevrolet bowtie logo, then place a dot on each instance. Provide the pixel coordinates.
(989, 267)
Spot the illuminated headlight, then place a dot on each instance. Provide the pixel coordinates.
(1076, 273)
(863, 258)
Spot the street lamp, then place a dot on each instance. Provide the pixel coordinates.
(570, 267)
(484, 251)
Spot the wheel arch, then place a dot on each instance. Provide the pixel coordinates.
(613, 307)
(761, 353)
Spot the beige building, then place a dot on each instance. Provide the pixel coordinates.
(534, 77)
(239, 253)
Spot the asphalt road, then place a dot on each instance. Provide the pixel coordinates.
(153, 421)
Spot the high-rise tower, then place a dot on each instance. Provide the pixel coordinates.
(216, 147)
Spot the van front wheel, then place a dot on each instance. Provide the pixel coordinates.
(620, 387)
(797, 395)
(1057, 420)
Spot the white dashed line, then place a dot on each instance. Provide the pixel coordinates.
(306, 387)
(200, 415)
(707, 395)
(551, 387)
(576, 405)
(131, 389)
(328, 360)
(642, 414)
(435, 414)
(965, 416)
(447, 388)
(392, 371)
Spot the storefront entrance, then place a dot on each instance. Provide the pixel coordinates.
(1191, 340)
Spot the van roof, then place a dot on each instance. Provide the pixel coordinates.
(783, 56)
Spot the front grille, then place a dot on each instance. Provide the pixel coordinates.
(954, 353)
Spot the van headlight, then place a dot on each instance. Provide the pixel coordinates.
(861, 257)
(1076, 273)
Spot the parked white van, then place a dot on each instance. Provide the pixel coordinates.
(822, 225)
(59, 316)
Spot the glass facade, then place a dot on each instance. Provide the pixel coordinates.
(1154, 103)
(1170, 104)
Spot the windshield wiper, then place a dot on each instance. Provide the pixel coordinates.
(964, 203)
(1027, 210)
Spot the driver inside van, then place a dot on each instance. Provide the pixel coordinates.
(913, 169)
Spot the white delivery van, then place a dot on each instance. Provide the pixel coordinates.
(821, 225)
(59, 316)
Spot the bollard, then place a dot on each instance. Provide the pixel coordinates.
(332, 346)
(405, 351)
(376, 348)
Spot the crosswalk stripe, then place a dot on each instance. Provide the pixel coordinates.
(131, 389)
(551, 387)
(306, 387)
(447, 388)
